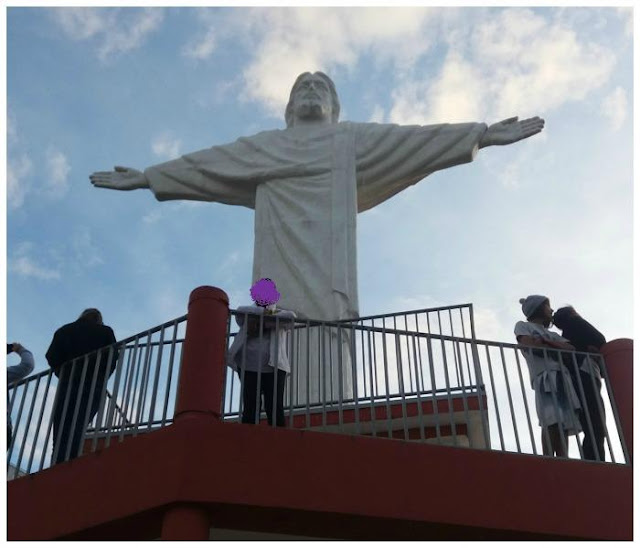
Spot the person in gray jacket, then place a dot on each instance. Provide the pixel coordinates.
(15, 373)
(259, 354)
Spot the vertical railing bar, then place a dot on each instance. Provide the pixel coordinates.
(583, 406)
(307, 376)
(291, 333)
(457, 365)
(340, 379)
(372, 364)
(76, 409)
(465, 403)
(113, 403)
(154, 390)
(464, 336)
(406, 328)
(324, 374)
(386, 378)
(565, 445)
(40, 417)
(513, 416)
(447, 384)
(258, 401)
(85, 418)
(418, 391)
(243, 368)
(30, 414)
(172, 353)
(434, 384)
(495, 397)
(274, 394)
(614, 409)
(129, 398)
(17, 423)
(526, 405)
(103, 399)
(144, 384)
(354, 380)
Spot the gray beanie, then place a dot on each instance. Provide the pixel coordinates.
(531, 303)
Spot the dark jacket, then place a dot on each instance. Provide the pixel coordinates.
(77, 339)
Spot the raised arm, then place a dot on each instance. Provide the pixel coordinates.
(123, 178)
(510, 131)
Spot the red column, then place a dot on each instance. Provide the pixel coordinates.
(200, 386)
(618, 356)
(185, 522)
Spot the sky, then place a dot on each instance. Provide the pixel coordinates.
(91, 88)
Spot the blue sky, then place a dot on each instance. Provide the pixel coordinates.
(91, 88)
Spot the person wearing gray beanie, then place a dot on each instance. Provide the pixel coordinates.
(557, 403)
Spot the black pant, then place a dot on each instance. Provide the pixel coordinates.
(592, 446)
(250, 393)
(63, 434)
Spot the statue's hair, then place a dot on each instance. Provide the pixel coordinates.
(335, 103)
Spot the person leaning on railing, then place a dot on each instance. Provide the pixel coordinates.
(557, 403)
(74, 340)
(254, 356)
(586, 338)
(15, 373)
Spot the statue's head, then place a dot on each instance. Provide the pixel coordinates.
(313, 97)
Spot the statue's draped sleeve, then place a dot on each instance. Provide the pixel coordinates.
(228, 174)
(389, 158)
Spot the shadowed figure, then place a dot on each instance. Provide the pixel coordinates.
(586, 338)
(75, 340)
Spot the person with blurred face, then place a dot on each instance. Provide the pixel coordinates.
(259, 354)
(557, 403)
(588, 380)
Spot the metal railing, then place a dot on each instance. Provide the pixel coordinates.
(417, 376)
(98, 399)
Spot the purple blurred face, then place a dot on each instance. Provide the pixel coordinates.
(264, 292)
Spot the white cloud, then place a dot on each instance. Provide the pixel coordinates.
(23, 264)
(115, 30)
(288, 41)
(18, 184)
(166, 146)
(57, 170)
(615, 107)
(201, 47)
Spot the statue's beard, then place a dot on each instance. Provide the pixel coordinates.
(312, 111)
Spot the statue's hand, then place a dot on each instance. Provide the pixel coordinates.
(123, 178)
(511, 130)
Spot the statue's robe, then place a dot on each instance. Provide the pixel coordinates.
(307, 185)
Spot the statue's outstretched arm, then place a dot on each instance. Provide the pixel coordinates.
(511, 130)
(123, 178)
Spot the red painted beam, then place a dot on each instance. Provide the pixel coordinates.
(207, 462)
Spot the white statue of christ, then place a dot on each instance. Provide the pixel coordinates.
(308, 182)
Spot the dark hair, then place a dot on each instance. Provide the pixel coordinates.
(562, 315)
(9, 348)
(335, 102)
(91, 314)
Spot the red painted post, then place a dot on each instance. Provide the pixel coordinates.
(618, 357)
(200, 386)
(185, 522)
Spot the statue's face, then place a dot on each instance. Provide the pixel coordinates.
(312, 100)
